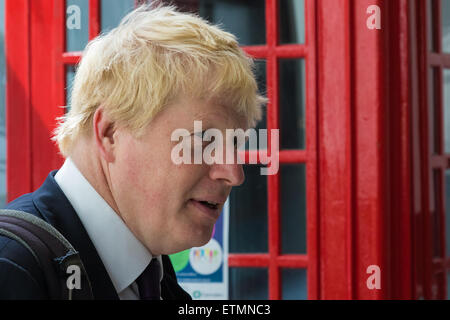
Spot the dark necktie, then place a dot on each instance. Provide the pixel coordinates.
(148, 281)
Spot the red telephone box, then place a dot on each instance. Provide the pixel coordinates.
(364, 116)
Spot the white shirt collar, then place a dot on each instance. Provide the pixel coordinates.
(123, 255)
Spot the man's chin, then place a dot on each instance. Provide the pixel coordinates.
(188, 244)
(202, 239)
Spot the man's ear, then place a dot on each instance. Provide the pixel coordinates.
(104, 130)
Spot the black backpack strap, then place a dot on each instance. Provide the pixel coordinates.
(52, 251)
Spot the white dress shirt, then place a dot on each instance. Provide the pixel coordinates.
(122, 254)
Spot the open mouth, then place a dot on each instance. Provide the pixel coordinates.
(211, 209)
(210, 204)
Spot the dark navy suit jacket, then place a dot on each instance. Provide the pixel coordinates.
(21, 277)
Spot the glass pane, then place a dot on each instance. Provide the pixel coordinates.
(445, 9)
(244, 19)
(435, 210)
(2, 107)
(248, 213)
(70, 74)
(294, 286)
(447, 211)
(431, 25)
(293, 208)
(77, 24)
(292, 21)
(260, 73)
(261, 77)
(448, 285)
(292, 103)
(248, 284)
(112, 11)
(433, 107)
(446, 86)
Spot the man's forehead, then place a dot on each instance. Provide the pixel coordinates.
(221, 116)
(211, 112)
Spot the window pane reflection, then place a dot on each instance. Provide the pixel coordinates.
(431, 25)
(244, 19)
(445, 9)
(293, 208)
(248, 284)
(77, 24)
(435, 210)
(292, 103)
(447, 211)
(70, 74)
(433, 108)
(112, 11)
(248, 213)
(294, 284)
(292, 21)
(260, 74)
(448, 285)
(447, 109)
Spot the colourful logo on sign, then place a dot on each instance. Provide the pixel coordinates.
(207, 259)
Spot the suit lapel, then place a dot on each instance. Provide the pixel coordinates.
(170, 290)
(57, 210)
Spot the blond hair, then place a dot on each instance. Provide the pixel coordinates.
(155, 54)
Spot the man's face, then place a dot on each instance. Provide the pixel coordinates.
(161, 202)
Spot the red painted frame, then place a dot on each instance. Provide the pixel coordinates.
(426, 276)
(435, 267)
(29, 77)
(272, 52)
(18, 101)
(400, 155)
(352, 150)
(365, 149)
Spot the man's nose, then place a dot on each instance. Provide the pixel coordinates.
(232, 174)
